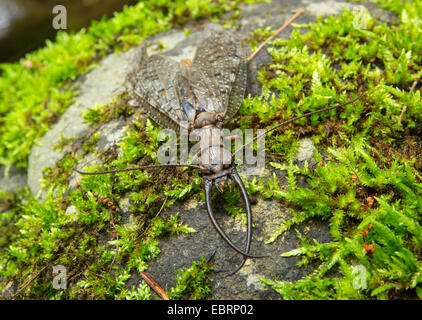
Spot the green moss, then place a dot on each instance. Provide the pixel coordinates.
(192, 283)
(366, 186)
(104, 113)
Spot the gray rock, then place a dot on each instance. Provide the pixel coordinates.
(330, 7)
(306, 150)
(98, 87)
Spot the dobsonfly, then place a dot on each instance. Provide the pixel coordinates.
(202, 96)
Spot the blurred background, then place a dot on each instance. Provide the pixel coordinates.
(26, 24)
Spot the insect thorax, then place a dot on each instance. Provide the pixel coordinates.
(215, 149)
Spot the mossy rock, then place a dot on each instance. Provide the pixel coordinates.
(299, 197)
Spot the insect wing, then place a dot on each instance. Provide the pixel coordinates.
(154, 85)
(219, 74)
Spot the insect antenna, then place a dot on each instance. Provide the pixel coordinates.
(297, 118)
(140, 168)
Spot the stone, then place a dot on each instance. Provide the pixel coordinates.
(306, 150)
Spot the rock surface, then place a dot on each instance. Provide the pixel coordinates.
(106, 81)
(13, 179)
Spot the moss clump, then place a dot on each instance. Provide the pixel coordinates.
(83, 228)
(89, 239)
(365, 186)
(192, 283)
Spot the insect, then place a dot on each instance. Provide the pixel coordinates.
(201, 97)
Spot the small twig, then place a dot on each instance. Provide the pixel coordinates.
(162, 207)
(405, 107)
(114, 227)
(159, 211)
(98, 275)
(29, 281)
(75, 276)
(211, 256)
(401, 114)
(160, 291)
(93, 130)
(284, 26)
(95, 159)
(274, 156)
(415, 83)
